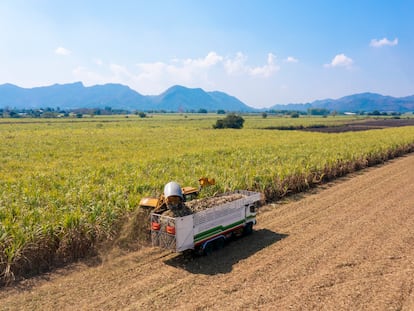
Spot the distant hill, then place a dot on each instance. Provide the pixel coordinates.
(356, 103)
(177, 98)
(116, 96)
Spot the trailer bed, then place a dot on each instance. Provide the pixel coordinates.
(235, 211)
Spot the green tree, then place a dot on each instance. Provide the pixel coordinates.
(294, 115)
(13, 114)
(230, 121)
(318, 111)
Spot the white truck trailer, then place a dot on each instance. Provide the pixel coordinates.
(205, 230)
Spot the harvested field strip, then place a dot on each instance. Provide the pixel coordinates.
(362, 125)
(343, 126)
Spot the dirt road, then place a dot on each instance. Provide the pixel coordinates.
(348, 246)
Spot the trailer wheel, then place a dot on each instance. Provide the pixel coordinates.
(220, 243)
(248, 228)
(208, 249)
(198, 251)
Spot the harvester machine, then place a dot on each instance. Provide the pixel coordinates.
(189, 193)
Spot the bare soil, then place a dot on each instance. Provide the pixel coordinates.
(346, 246)
(369, 124)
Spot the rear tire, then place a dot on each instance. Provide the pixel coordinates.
(220, 243)
(208, 249)
(248, 228)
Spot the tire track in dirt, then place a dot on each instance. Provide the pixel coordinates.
(354, 232)
(348, 245)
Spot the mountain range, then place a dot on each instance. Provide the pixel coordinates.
(116, 96)
(176, 99)
(357, 103)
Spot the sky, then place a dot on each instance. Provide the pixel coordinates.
(264, 52)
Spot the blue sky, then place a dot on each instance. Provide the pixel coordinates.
(264, 52)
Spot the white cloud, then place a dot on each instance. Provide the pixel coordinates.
(238, 66)
(175, 72)
(62, 51)
(383, 42)
(266, 70)
(113, 73)
(235, 65)
(189, 69)
(119, 70)
(211, 59)
(155, 77)
(98, 61)
(291, 59)
(340, 60)
(151, 71)
(87, 76)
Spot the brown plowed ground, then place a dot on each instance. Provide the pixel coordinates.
(369, 124)
(348, 246)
